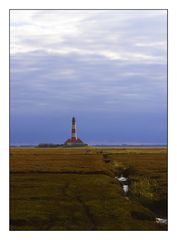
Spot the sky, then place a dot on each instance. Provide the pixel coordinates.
(108, 68)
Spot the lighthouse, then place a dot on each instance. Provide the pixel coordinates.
(73, 134)
(74, 141)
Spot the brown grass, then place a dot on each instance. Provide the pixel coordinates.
(75, 189)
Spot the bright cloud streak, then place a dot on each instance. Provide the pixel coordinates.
(89, 32)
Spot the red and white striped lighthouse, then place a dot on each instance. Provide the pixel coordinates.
(73, 135)
(74, 141)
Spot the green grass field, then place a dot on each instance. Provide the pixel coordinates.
(76, 189)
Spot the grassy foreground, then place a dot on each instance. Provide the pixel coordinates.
(76, 189)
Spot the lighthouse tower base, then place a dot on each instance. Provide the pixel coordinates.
(66, 144)
(77, 143)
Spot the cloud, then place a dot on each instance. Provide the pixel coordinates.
(85, 82)
(100, 63)
(112, 34)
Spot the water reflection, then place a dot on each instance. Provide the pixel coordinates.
(124, 182)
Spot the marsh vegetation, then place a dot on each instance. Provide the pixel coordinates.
(76, 189)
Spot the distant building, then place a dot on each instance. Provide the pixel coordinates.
(74, 141)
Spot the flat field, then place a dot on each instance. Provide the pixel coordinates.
(76, 188)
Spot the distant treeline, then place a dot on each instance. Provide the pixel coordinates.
(49, 145)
